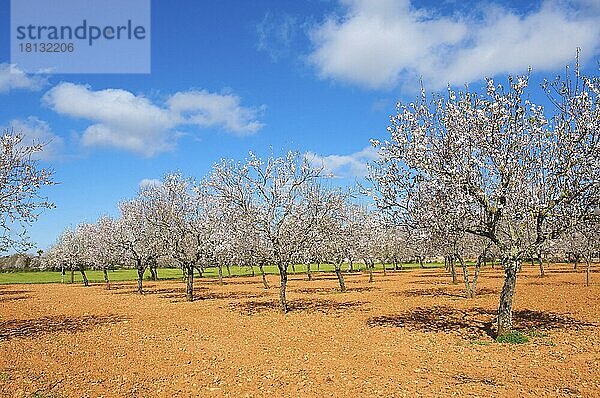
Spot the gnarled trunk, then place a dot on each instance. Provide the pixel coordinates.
(105, 273)
(452, 265)
(338, 273)
(282, 287)
(308, 272)
(505, 314)
(140, 271)
(220, 267)
(189, 287)
(470, 286)
(153, 273)
(587, 269)
(84, 277)
(264, 276)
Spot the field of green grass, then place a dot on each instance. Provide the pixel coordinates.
(128, 274)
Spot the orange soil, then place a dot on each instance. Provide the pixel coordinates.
(408, 334)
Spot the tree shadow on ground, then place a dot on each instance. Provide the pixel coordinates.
(298, 305)
(330, 276)
(466, 379)
(432, 275)
(474, 322)
(13, 298)
(7, 295)
(545, 281)
(335, 290)
(54, 324)
(4, 291)
(202, 296)
(235, 280)
(443, 292)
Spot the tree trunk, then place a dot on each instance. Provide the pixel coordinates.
(84, 277)
(251, 270)
(105, 273)
(72, 275)
(421, 262)
(541, 264)
(189, 288)
(140, 278)
(293, 268)
(153, 273)
(308, 272)
(220, 267)
(371, 265)
(475, 278)
(282, 287)
(587, 269)
(465, 269)
(264, 276)
(228, 270)
(453, 270)
(505, 314)
(350, 266)
(62, 273)
(200, 271)
(395, 264)
(384, 269)
(319, 266)
(338, 273)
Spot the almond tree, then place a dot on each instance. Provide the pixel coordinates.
(187, 218)
(512, 169)
(72, 250)
(138, 240)
(106, 252)
(21, 180)
(270, 194)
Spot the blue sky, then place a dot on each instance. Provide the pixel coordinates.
(232, 76)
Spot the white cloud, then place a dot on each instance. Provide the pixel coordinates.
(209, 110)
(123, 120)
(149, 183)
(353, 165)
(13, 78)
(38, 131)
(382, 43)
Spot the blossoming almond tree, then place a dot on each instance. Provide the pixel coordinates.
(21, 180)
(270, 194)
(512, 169)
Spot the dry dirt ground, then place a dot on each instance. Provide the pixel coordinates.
(409, 333)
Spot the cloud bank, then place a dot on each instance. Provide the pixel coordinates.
(123, 120)
(385, 43)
